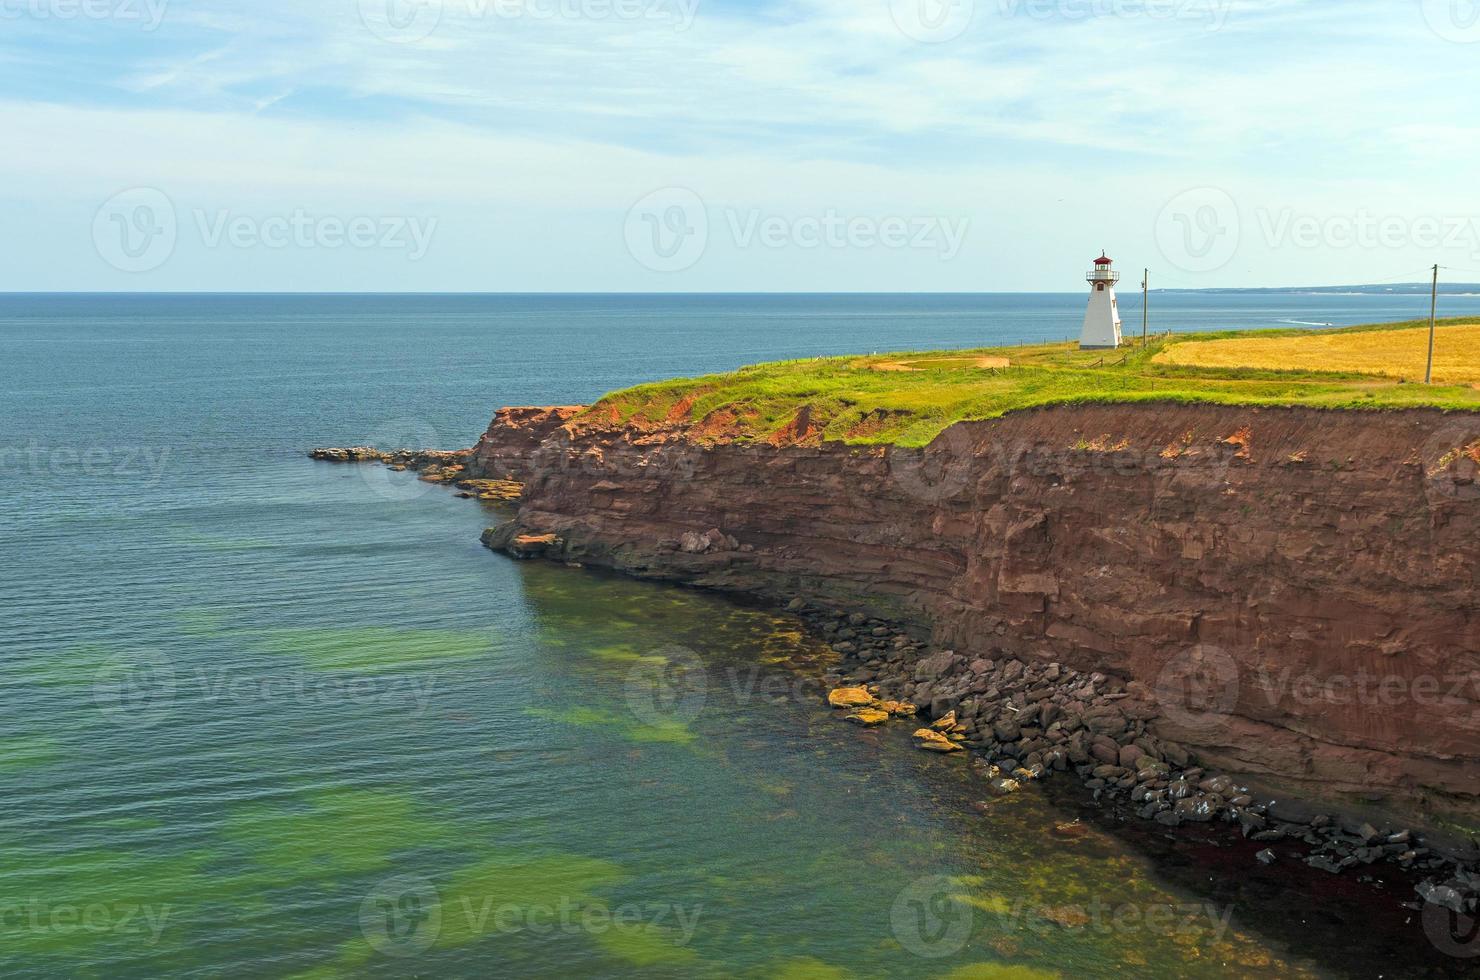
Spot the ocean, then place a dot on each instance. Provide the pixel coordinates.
(266, 717)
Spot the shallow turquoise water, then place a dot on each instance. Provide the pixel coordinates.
(266, 717)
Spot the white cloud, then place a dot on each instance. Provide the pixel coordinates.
(530, 137)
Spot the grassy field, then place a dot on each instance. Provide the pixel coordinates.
(908, 398)
(1392, 353)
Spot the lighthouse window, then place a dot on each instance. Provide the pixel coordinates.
(1099, 287)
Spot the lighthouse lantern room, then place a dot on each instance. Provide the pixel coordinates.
(1102, 319)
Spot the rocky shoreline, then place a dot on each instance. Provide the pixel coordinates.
(1024, 722)
(431, 466)
(1020, 719)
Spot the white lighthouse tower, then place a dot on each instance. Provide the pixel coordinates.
(1102, 319)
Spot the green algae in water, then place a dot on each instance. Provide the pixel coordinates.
(28, 752)
(77, 903)
(627, 727)
(494, 901)
(999, 971)
(329, 834)
(621, 654)
(368, 649)
(806, 968)
(201, 621)
(215, 542)
(646, 945)
(77, 665)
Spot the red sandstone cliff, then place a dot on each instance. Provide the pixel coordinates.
(508, 450)
(1293, 591)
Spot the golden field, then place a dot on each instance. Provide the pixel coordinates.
(1392, 353)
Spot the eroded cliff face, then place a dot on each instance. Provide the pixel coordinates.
(507, 451)
(1292, 592)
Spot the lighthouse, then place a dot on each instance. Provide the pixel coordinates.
(1102, 319)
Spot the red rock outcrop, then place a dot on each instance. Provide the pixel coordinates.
(1294, 590)
(508, 449)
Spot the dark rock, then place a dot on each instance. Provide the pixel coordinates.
(1105, 720)
(1174, 754)
(1441, 895)
(1265, 856)
(934, 667)
(943, 704)
(1216, 784)
(1250, 823)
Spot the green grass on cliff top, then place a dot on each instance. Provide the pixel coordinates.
(850, 400)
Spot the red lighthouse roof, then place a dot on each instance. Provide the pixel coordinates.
(1103, 260)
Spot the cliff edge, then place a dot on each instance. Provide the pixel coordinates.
(1290, 592)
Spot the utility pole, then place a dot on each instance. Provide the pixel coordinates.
(1428, 375)
(1145, 305)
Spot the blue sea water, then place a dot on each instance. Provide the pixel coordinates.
(266, 717)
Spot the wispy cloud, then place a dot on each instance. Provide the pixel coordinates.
(1052, 122)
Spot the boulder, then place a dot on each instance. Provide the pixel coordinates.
(933, 667)
(899, 709)
(933, 741)
(851, 697)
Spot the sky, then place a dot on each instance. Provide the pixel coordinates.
(734, 145)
